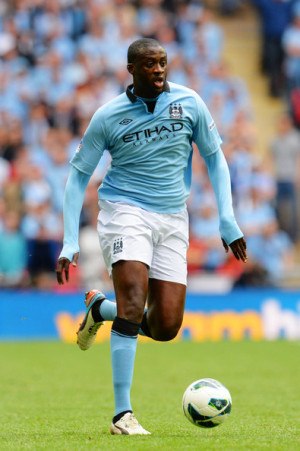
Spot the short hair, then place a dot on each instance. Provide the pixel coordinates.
(136, 49)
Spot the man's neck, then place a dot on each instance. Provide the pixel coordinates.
(146, 99)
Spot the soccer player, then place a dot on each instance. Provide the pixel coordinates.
(143, 220)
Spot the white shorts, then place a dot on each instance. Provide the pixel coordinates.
(159, 240)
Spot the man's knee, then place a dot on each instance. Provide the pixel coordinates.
(166, 331)
(131, 307)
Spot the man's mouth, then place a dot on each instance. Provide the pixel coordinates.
(159, 83)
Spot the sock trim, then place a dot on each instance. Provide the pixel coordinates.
(133, 337)
(144, 326)
(124, 327)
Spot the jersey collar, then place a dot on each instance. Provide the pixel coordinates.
(132, 97)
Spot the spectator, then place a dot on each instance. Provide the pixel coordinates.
(291, 47)
(254, 212)
(42, 227)
(275, 17)
(209, 38)
(272, 250)
(37, 125)
(13, 255)
(205, 229)
(57, 166)
(285, 149)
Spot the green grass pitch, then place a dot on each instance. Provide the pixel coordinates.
(55, 397)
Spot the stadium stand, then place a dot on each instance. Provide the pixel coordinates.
(62, 59)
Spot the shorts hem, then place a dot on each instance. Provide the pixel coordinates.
(168, 279)
(128, 259)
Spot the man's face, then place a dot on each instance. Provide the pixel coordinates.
(149, 72)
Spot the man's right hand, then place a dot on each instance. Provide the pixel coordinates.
(63, 267)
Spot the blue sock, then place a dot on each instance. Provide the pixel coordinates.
(108, 310)
(123, 344)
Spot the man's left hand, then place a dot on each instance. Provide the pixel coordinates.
(239, 249)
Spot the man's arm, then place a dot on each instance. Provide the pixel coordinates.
(73, 201)
(220, 179)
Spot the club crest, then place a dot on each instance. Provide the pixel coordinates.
(118, 246)
(175, 111)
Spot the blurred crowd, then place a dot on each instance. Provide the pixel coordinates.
(62, 59)
(280, 49)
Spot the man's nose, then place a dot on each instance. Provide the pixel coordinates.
(158, 68)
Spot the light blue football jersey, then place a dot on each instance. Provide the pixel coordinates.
(151, 153)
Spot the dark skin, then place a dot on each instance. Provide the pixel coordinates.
(132, 285)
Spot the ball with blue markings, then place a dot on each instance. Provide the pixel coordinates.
(206, 403)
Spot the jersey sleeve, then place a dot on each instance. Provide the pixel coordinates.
(73, 201)
(205, 133)
(92, 145)
(220, 179)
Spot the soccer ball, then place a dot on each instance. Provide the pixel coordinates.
(206, 403)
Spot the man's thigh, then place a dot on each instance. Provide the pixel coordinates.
(124, 234)
(170, 249)
(166, 301)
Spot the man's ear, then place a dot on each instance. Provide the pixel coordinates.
(130, 68)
